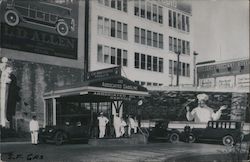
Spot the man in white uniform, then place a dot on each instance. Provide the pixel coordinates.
(102, 124)
(203, 113)
(131, 125)
(117, 125)
(34, 127)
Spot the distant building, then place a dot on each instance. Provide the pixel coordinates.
(229, 74)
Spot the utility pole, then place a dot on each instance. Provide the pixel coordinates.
(177, 68)
(195, 70)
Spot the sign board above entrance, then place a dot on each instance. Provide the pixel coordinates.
(104, 73)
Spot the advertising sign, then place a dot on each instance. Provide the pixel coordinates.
(243, 80)
(104, 73)
(40, 27)
(225, 82)
(207, 82)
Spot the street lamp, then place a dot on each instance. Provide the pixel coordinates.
(195, 71)
(177, 68)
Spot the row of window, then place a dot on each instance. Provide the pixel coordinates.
(112, 28)
(178, 45)
(178, 21)
(148, 10)
(111, 55)
(142, 83)
(184, 68)
(148, 62)
(147, 37)
(121, 5)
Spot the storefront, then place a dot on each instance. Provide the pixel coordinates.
(106, 91)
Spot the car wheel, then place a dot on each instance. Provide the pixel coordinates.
(62, 28)
(191, 138)
(59, 138)
(11, 18)
(174, 138)
(228, 140)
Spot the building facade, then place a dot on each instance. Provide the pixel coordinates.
(143, 37)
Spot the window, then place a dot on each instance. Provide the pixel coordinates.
(149, 11)
(154, 13)
(137, 82)
(106, 27)
(155, 40)
(179, 45)
(187, 23)
(143, 36)
(99, 53)
(119, 5)
(149, 62)
(160, 64)
(125, 32)
(100, 25)
(160, 41)
(188, 47)
(149, 38)
(137, 35)
(143, 61)
(106, 2)
(170, 44)
(112, 28)
(119, 56)
(174, 19)
(160, 17)
(149, 83)
(155, 84)
(183, 22)
(175, 67)
(143, 83)
(125, 5)
(169, 18)
(188, 70)
(113, 55)
(119, 30)
(106, 54)
(143, 8)
(125, 58)
(136, 9)
(170, 67)
(137, 60)
(183, 69)
(179, 20)
(155, 64)
(175, 45)
(183, 46)
(113, 3)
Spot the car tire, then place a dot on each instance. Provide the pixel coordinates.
(174, 138)
(11, 18)
(191, 138)
(62, 28)
(59, 138)
(228, 140)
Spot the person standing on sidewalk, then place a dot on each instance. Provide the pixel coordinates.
(34, 127)
(102, 124)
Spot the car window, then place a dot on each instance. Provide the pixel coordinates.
(227, 125)
(233, 125)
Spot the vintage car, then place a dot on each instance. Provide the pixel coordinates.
(68, 128)
(227, 132)
(40, 13)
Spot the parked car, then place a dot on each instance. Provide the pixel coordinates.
(40, 13)
(69, 128)
(227, 132)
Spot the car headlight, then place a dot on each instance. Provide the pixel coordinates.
(50, 130)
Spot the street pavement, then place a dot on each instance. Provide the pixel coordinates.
(152, 152)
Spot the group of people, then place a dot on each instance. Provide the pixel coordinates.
(119, 125)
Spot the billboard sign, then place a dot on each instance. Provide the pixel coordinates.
(42, 27)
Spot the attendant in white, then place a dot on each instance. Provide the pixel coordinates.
(131, 125)
(117, 125)
(34, 127)
(102, 124)
(203, 113)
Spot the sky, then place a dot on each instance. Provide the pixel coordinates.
(221, 29)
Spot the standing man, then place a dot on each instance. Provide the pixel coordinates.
(203, 113)
(117, 125)
(102, 124)
(131, 125)
(34, 127)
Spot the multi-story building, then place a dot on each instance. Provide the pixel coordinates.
(54, 45)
